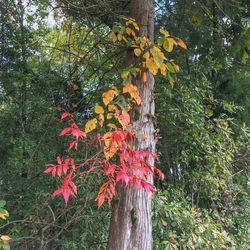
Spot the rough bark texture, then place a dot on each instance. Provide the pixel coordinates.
(130, 225)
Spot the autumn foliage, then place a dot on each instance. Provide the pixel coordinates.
(117, 160)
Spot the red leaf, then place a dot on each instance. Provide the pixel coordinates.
(59, 160)
(58, 191)
(73, 165)
(112, 187)
(66, 193)
(148, 187)
(65, 115)
(48, 169)
(65, 131)
(110, 194)
(72, 184)
(65, 166)
(54, 171)
(72, 144)
(59, 170)
(100, 200)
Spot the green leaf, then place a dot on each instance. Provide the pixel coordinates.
(2, 211)
(127, 80)
(133, 71)
(160, 41)
(116, 28)
(158, 60)
(2, 203)
(170, 68)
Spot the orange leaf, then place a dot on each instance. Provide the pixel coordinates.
(144, 77)
(110, 147)
(5, 237)
(124, 118)
(100, 200)
(132, 90)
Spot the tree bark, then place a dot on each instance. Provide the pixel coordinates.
(130, 225)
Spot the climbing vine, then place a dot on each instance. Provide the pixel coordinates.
(131, 167)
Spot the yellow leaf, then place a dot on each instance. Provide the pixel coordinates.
(108, 96)
(146, 55)
(155, 51)
(135, 26)
(163, 69)
(119, 36)
(5, 237)
(112, 108)
(4, 215)
(111, 125)
(113, 37)
(125, 74)
(137, 52)
(90, 125)
(164, 32)
(181, 43)
(124, 39)
(168, 44)
(109, 116)
(132, 90)
(101, 119)
(152, 66)
(99, 109)
(128, 30)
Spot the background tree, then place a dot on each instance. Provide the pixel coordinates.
(203, 149)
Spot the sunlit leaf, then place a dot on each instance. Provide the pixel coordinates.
(90, 125)
(181, 43)
(99, 109)
(137, 52)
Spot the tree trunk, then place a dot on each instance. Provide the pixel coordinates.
(130, 225)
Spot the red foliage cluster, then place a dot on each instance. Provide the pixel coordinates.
(133, 168)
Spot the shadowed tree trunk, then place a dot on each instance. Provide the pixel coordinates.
(130, 225)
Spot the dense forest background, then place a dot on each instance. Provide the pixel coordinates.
(56, 56)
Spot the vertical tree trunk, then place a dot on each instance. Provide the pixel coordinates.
(130, 225)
